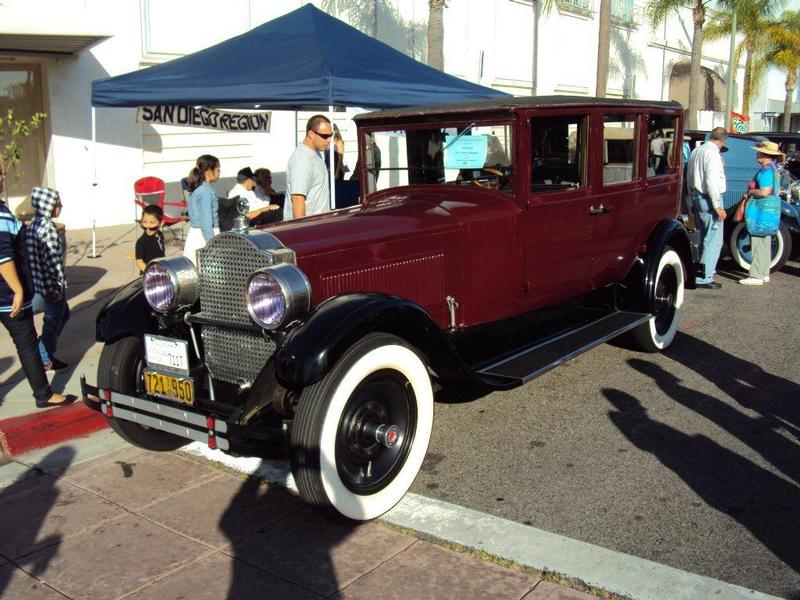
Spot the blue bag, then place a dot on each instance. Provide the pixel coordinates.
(763, 215)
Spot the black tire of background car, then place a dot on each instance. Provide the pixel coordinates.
(315, 460)
(777, 262)
(120, 370)
(657, 333)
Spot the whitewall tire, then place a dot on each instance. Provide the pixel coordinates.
(657, 333)
(361, 433)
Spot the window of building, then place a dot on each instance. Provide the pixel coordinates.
(558, 153)
(466, 154)
(21, 91)
(619, 148)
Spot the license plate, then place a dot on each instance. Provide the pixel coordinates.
(165, 352)
(170, 387)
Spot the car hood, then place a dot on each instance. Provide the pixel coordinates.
(383, 219)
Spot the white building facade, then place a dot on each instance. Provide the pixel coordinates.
(51, 51)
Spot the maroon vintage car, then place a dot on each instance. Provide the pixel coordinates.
(493, 241)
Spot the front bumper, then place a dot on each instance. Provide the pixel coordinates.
(183, 422)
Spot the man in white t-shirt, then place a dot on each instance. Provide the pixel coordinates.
(244, 188)
(705, 183)
(306, 175)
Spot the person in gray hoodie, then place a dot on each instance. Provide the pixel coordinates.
(47, 254)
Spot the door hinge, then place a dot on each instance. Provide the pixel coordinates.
(452, 305)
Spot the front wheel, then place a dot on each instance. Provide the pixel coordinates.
(120, 370)
(361, 433)
(657, 333)
(742, 251)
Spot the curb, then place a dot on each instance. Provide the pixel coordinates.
(48, 427)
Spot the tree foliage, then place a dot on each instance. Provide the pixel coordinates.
(753, 19)
(784, 53)
(12, 133)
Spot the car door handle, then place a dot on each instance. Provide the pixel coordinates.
(599, 210)
(606, 209)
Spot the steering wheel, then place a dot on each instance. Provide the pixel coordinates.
(490, 185)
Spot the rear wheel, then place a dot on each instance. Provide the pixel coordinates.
(657, 333)
(360, 434)
(120, 370)
(742, 251)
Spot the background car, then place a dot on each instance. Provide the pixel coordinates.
(740, 167)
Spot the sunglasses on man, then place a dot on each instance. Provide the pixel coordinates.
(324, 136)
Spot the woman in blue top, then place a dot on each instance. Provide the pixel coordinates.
(763, 212)
(203, 205)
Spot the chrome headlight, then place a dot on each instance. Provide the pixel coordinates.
(171, 283)
(278, 295)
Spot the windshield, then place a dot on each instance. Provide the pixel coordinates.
(465, 154)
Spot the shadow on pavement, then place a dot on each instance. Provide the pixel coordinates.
(747, 383)
(762, 502)
(19, 534)
(296, 549)
(757, 432)
(73, 343)
(5, 363)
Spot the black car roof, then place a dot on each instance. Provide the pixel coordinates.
(514, 103)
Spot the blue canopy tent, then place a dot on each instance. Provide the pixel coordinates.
(305, 58)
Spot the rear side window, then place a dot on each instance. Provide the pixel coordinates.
(620, 136)
(558, 153)
(663, 151)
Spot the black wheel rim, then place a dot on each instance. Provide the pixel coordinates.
(665, 298)
(384, 398)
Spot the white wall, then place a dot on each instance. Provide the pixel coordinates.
(486, 41)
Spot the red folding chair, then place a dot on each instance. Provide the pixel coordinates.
(151, 190)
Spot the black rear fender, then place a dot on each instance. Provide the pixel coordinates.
(637, 290)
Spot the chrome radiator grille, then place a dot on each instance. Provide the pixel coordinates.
(235, 356)
(225, 264)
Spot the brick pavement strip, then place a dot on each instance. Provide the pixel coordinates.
(135, 524)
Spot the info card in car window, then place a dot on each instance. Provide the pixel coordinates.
(465, 152)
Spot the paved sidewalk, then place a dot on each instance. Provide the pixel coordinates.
(135, 524)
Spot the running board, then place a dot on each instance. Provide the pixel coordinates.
(531, 362)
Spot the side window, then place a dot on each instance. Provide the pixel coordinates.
(663, 152)
(619, 148)
(558, 153)
(464, 154)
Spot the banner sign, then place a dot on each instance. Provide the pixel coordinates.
(202, 116)
(739, 123)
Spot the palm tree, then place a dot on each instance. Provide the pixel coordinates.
(657, 12)
(603, 43)
(785, 54)
(436, 33)
(753, 18)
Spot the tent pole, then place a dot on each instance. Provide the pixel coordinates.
(332, 162)
(94, 253)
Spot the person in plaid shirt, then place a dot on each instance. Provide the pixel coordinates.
(15, 305)
(46, 254)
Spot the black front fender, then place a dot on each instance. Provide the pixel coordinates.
(126, 313)
(311, 349)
